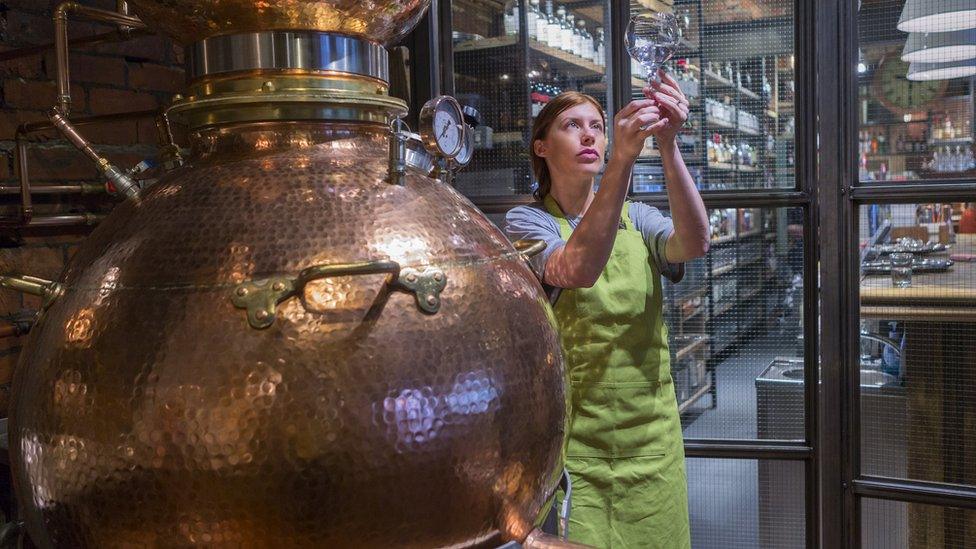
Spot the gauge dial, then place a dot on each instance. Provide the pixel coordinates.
(467, 147)
(441, 126)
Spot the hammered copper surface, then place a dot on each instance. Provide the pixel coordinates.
(148, 412)
(189, 21)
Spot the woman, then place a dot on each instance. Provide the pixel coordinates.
(605, 258)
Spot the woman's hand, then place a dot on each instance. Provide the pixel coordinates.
(628, 135)
(673, 105)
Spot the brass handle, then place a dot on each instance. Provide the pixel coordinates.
(34, 286)
(529, 248)
(261, 297)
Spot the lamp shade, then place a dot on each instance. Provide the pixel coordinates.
(937, 15)
(941, 71)
(940, 47)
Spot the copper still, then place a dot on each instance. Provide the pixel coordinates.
(295, 338)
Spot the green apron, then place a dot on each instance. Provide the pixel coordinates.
(625, 453)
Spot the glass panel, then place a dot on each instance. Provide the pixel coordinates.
(918, 351)
(508, 83)
(916, 118)
(735, 323)
(746, 503)
(738, 76)
(887, 524)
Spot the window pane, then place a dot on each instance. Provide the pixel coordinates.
(508, 83)
(886, 524)
(918, 351)
(735, 65)
(735, 329)
(746, 503)
(916, 118)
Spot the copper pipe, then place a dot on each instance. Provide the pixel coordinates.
(43, 125)
(61, 41)
(123, 183)
(83, 188)
(93, 40)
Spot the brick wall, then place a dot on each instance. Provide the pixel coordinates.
(136, 75)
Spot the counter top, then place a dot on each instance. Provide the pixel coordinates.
(932, 296)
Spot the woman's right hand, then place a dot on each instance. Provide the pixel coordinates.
(628, 135)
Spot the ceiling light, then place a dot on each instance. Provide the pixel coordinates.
(940, 47)
(937, 15)
(941, 71)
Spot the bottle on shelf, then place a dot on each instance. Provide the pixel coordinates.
(532, 19)
(541, 24)
(511, 20)
(553, 27)
(568, 28)
(584, 42)
(599, 54)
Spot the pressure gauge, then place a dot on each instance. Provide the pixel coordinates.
(442, 126)
(467, 147)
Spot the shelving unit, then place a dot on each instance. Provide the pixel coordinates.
(704, 329)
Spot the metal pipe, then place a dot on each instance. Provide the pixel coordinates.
(70, 220)
(122, 182)
(82, 188)
(93, 40)
(26, 208)
(61, 41)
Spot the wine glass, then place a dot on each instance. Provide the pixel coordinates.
(652, 39)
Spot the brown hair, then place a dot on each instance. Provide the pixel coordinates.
(540, 128)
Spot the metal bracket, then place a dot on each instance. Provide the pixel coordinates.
(261, 297)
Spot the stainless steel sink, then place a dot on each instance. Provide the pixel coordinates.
(868, 377)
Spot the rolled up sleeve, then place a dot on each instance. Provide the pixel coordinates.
(531, 222)
(656, 229)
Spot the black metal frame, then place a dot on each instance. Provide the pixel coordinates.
(825, 36)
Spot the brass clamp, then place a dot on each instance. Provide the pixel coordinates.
(261, 297)
(32, 285)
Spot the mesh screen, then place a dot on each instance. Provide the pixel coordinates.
(889, 524)
(918, 343)
(735, 324)
(508, 80)
(746, 503)
(735, 64)
(915, 91)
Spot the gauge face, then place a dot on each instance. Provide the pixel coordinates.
(441, 126)
(467, 147)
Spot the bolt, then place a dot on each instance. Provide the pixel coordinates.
(268, 86)
(432, 300)
(262, 314)
(278, 286)
(242, 291)
(438, 277)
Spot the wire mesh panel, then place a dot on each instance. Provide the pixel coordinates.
(508, 80)
(896, 524)
(735, 65)
(744, 503)
(916, 61)
(735, 328)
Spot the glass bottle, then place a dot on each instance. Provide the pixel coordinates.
(541, 23)
(585, 40)
(599, 54)
(553, 28)
(569, 32)
(532, 19)
(511, 20)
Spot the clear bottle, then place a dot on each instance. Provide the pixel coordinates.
(541, 22)
(532, 17)
(599, 53)
(553, 28)
(511, 20)
(583, 40)
(569, 32)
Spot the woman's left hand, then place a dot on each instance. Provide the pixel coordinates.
(673, 104)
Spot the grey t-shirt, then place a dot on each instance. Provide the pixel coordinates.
(532, 221)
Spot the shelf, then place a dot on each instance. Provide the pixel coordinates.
(752, 261)
(955, 141)
(723, 239)
(730, 126)
(682, 352)
(724, 269)
(725, 166)
(563, 61)
(722, 81)
(697, 395)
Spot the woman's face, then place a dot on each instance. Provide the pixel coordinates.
(575, 144)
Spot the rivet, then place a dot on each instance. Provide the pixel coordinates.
(438, 277)
(411, 277)
(432, 300)
(268, 86)
(278, 286)
(262, 314)
(242, 291)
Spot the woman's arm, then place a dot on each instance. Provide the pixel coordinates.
(579, 263)
(691, 234)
